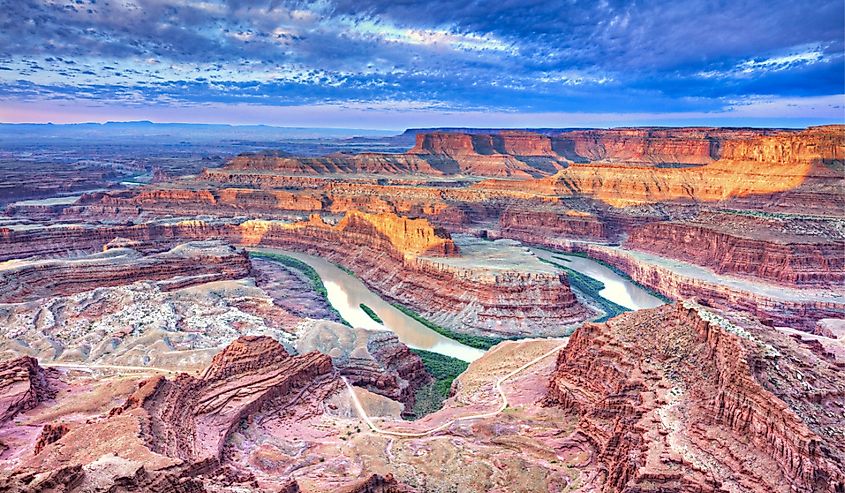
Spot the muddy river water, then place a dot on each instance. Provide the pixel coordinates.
(617, 289)
(346, 293)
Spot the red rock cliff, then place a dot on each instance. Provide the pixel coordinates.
(681, 398)
(510, 153)
(746, 246)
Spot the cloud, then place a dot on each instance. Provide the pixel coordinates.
(505, 56)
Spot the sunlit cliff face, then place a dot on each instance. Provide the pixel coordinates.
(625, 185)
(408, 237)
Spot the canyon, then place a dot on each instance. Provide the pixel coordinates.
(405, 260)
(420, 320)
(766, 417)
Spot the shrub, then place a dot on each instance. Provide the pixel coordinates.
(372, 314)
(478, 342)
(445, 370)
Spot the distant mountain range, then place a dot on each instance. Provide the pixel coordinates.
(176, 131)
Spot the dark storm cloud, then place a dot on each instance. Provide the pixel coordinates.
(523, 55)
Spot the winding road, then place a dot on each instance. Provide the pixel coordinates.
(363, 414)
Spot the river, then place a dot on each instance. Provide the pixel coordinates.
(346, 293)
(617, 289)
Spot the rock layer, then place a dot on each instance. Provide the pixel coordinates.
(800, 309)
(739, 245)
(24, 384)
(530, 154)
(681, 398)
(186, 264)
(173, 435)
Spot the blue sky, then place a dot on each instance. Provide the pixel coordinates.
(402, 63)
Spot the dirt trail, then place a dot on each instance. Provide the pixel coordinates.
(363, 414)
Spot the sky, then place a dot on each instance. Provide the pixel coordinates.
(394, 64)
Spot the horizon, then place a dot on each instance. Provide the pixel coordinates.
(410, 128)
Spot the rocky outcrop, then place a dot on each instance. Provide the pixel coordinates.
(192, 418)
(374, 360)
(186, 264)
(175, 435)
(681, 398)
(410, 237)
(377, 484)
(49, 434)
(24, 384)
(66, 479)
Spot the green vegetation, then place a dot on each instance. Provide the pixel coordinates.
(372, 314)
(771, 215)
(308, 271)
(445, 370)
(591, 288)
(619, 272)
(581, 279)
(346, 269)
(478, 342)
